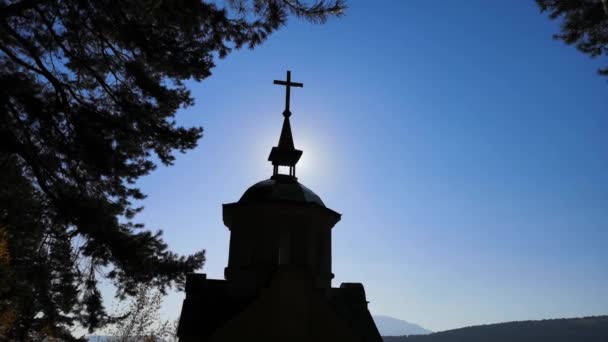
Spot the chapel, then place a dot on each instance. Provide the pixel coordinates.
(277, 284)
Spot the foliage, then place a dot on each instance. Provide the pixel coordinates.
(585, 24)
(37, 276)
(587, 329)
(88, 94)
(7, 314)
(142, 321)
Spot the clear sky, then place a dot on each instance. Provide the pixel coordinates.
(465, 149)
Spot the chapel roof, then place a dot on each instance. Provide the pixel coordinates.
(283, 187)
(280, 188)
(209, 305)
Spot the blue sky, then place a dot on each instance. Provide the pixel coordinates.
(464, 147)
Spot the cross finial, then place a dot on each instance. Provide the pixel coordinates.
(285, 153)
(288, 84)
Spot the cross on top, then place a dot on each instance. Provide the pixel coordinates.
(288, 84)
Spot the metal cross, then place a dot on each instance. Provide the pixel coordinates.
(288, 84)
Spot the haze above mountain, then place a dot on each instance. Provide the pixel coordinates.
(390, 326)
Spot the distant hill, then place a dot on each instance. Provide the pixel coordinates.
(586, 329)
(390, 326)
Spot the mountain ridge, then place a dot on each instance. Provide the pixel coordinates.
(580, 329)
(391, 326)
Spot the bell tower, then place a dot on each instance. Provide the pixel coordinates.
(279, 223)
(277, 284)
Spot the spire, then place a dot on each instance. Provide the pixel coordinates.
(286, 139)
(285, 153)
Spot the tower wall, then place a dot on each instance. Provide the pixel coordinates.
(267, 236)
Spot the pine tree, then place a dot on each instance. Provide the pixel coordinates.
(585, 24)
(88, 94)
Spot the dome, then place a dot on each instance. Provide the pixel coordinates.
(280, 189)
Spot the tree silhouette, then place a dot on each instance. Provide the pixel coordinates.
(140, 319)
(88, 94)
(585, 24)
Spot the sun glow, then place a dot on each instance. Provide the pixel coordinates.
(313, 163)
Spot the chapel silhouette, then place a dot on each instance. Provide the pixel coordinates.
(277, 284)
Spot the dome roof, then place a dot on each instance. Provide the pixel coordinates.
(280, 189)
